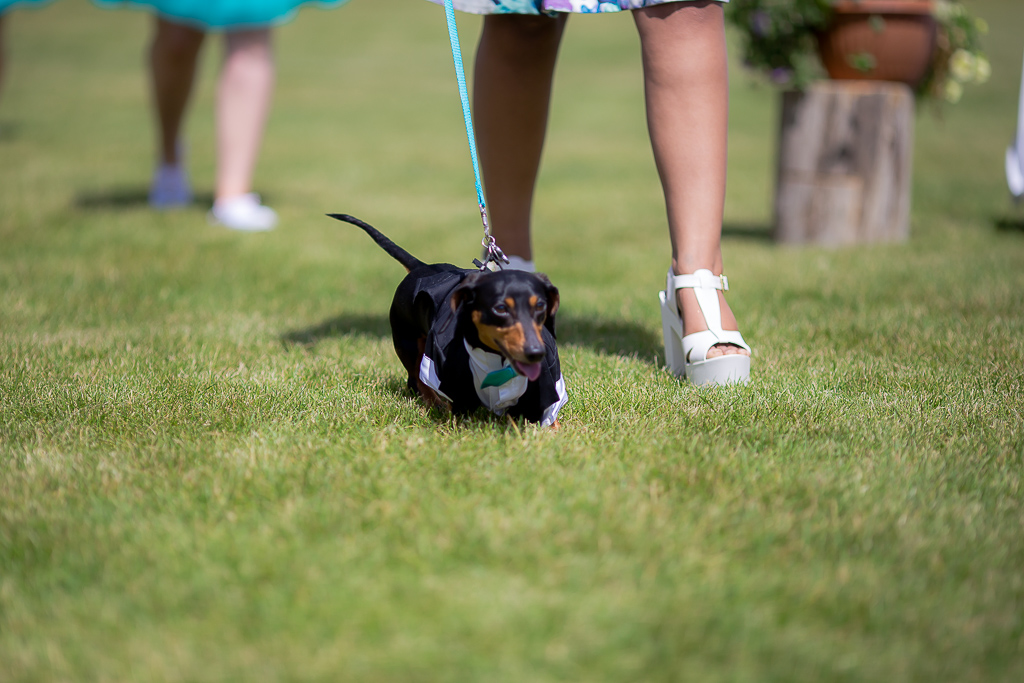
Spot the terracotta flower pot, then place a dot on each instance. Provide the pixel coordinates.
(879, 40)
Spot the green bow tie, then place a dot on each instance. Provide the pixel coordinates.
(499, 377)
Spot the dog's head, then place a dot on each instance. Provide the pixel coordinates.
(508, 310)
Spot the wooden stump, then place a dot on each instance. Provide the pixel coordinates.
(844, 164)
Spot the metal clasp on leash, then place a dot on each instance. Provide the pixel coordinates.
(494, 257)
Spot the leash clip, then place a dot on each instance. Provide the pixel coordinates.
(494, 257)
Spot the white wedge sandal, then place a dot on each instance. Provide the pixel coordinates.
(687, 356)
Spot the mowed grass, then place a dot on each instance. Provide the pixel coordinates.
(210, 468)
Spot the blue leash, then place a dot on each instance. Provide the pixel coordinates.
(492, 252)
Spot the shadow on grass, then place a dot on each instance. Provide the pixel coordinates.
(128, 198)
(344, 325)
(8, 131)
(617, 337)
(1009, 223)
(759, 232)
(604, 336)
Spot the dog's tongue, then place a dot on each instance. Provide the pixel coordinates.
(531, 370)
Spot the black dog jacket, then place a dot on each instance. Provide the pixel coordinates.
(471, 377)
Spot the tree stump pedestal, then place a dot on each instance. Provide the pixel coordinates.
(845, 164)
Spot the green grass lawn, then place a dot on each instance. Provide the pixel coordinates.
(210, 469)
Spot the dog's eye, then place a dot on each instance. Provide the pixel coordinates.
(500, 309)
(541, 307)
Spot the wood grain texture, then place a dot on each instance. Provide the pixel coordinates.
(844, 164)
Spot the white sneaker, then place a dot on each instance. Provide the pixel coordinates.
(170, 188)
(1015, 173)
(243, 213)
(519, 263)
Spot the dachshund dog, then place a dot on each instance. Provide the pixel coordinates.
(472, 338)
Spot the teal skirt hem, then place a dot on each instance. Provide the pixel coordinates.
(223, 15)
(6, 5)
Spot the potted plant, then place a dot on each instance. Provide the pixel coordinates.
(881, 40)
(795, 42)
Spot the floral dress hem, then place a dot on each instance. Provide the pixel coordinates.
(553, 7)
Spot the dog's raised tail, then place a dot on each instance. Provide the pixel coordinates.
(396, 252)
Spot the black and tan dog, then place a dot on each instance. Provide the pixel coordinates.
(470, 338)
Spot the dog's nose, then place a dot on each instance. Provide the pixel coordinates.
(533, 354)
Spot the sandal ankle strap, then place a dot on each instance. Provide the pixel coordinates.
(700, 279)
(704, 285)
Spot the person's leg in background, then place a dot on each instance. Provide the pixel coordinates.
(244, 94)
(173, 56)
(2, 52)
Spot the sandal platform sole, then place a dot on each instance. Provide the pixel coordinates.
(730, 369)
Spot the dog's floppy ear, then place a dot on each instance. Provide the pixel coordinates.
(465, 293)
(551, 292)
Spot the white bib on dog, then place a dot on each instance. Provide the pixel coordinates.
(496, 383)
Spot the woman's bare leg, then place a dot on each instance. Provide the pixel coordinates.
(515, 64)
(172, 56)
(243, 104)
(687, 92)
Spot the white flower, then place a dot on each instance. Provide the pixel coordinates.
(982, 70)
(953, 91)
(961, 66)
